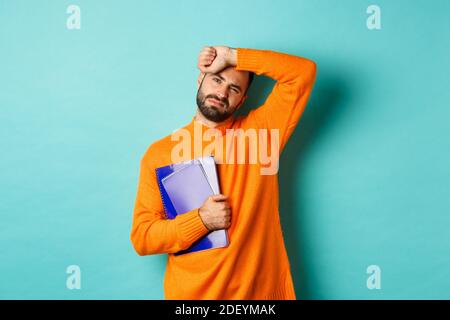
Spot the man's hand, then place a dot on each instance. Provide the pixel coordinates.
(216, 212)
(215, 59)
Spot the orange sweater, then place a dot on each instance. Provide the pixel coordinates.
(255, 265)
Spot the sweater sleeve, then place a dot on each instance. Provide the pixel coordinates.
(151, 232)
(294, 78)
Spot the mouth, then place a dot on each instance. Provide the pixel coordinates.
(216, 102)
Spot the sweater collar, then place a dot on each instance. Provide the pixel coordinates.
(227, 124)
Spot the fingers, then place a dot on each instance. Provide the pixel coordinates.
(227, 222)
(208, 50)
(202, 68)
(219, 197)
(206, 57)
(205, 60)
(224, 222)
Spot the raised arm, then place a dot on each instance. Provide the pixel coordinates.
(294, 78)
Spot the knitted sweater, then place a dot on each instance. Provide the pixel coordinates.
(255, 264)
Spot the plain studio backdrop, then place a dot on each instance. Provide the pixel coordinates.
(364, 180)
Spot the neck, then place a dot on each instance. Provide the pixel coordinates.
(210, 124)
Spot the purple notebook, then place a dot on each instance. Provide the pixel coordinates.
(184, 187)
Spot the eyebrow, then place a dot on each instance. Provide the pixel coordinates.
(223, 79)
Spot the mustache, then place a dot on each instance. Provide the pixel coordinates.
(224, 101)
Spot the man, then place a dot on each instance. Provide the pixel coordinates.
(255, 264)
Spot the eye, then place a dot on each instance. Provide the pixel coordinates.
(235, 90)
(217, 80)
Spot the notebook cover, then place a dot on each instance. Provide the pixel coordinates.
(197, 175)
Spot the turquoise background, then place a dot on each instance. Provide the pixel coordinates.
(364, 179)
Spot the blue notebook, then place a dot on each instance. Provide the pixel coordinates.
(184, 187)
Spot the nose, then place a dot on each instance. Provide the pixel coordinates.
(222, 92)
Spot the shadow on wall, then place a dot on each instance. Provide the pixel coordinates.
(317, 121)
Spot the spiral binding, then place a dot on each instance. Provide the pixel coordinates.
(161, 188)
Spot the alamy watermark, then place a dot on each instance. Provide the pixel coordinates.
(236, 146)
(73, 281)
(374, 279)
(373, 21)
(73, 21)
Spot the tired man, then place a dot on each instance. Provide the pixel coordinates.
(255, 264)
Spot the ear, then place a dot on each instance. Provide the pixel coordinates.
(200, 78)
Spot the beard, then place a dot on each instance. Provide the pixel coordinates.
(212, 112)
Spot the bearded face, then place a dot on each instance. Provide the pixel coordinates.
(220, 95)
